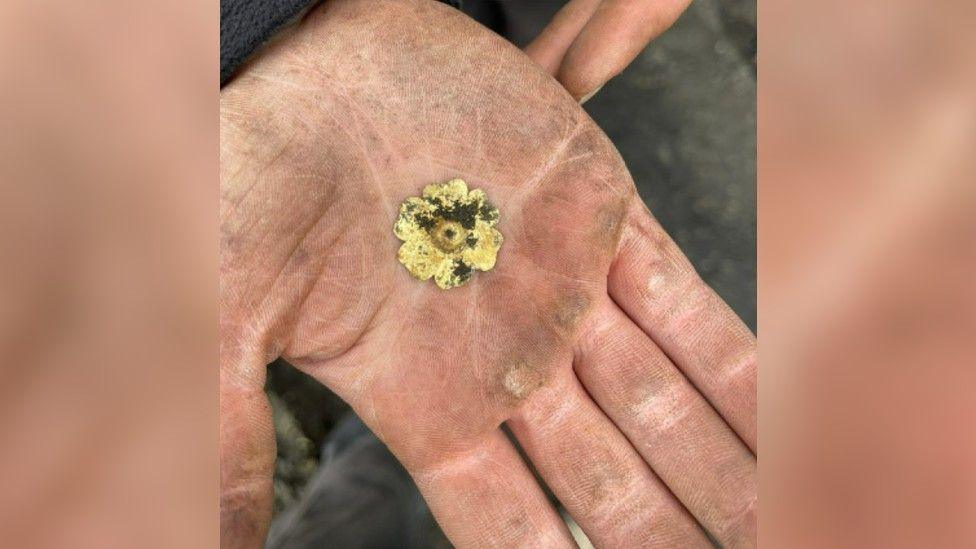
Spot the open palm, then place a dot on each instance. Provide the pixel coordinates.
(627, 381)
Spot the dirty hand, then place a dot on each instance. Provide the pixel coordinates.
(628, 382)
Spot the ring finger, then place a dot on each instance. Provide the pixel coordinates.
(597, 475)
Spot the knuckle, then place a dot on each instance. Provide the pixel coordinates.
(739, 530)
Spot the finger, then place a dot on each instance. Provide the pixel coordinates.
(549, 48)
(487, 497)
(597, 475)
(677, 432)
(653, 282)
(611, 39)
(247, 456)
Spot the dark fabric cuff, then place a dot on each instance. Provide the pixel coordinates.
(247, 24)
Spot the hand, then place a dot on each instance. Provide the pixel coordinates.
(623, 376)
(590, 41)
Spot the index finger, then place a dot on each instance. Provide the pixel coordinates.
(658, 288)
(617, 31)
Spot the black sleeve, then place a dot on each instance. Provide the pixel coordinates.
(246, 24)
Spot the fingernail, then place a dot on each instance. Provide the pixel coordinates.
(587, 97)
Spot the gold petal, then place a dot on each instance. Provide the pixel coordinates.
(488, 213)
(404, 228)
(420, 258)
(477, 195)
(412, 204)
(448, 276)
(454, 190)
(482, 256)
(406, 224)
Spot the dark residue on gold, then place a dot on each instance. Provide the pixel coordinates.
(448, 233)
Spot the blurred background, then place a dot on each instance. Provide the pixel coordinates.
(683, 116)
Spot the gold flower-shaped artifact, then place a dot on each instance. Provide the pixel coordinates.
(448, 233)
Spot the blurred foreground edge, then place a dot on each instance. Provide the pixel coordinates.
(867, 250)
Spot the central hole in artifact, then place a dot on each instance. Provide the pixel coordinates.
(448, 235)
